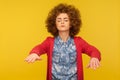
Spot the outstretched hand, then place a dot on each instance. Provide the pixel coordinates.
(32, 58)
(94, 63)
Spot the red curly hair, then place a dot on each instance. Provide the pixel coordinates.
(73, 14)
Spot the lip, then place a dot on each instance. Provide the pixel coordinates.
(62, 25)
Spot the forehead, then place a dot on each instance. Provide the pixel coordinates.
(62, 15)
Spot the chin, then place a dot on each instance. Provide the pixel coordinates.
(63, 30)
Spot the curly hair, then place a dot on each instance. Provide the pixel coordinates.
(73, 14)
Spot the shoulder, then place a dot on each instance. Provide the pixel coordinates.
(79, 39)
(49, 38)
(48, 41)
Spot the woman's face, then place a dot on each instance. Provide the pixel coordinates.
(62, 22)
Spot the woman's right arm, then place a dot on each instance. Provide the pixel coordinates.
(37, 51)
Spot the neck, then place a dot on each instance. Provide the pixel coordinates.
(64, 36)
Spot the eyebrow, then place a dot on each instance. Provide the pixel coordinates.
(64, 18)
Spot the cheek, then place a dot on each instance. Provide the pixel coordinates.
(57, 24)
(68, 24)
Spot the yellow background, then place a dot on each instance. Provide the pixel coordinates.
(22, 26)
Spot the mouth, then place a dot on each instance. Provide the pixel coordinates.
(62, 25)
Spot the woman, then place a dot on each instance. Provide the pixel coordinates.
(64, 50)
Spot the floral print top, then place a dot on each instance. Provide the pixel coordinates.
(64, 60)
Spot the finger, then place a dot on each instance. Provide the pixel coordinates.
(32, 60)
(92, 64)
(88, 66)
(97, 64)
(27, 59)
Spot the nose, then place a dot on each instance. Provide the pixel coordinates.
(62, 21)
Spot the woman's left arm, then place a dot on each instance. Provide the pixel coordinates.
(94, 53)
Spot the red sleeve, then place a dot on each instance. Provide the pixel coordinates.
(90, 50)
(41, 48)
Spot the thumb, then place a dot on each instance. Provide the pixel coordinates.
(39, 58)
(88, 66)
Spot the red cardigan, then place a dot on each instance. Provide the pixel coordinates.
(81, 47)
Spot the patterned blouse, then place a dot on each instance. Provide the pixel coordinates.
(64, 60)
